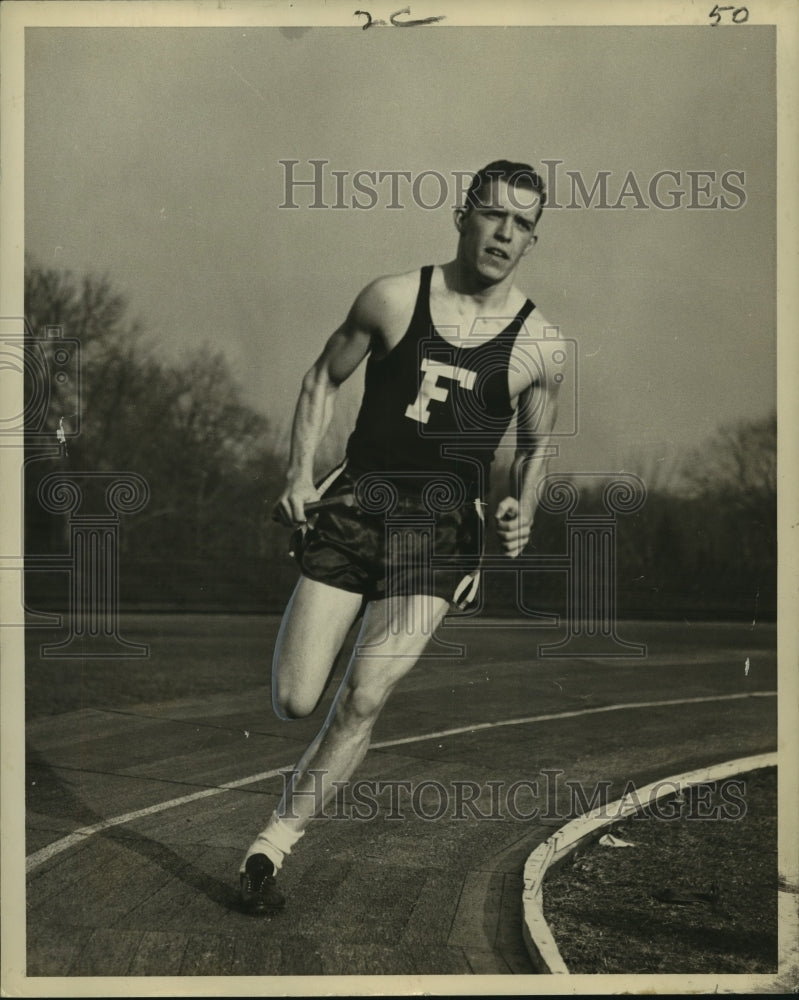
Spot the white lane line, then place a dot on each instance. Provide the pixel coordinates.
(569, 715)
(39, 857)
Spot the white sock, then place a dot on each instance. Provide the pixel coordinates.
(275, 841)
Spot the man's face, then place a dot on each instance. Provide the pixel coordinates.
(499, 230)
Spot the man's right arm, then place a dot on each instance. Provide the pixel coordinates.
(342, 354)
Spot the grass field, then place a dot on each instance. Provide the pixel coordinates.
(696, 894)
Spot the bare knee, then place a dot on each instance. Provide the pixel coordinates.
(289, 705)
(295, 691)
(360, 704)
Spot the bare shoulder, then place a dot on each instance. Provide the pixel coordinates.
(385, 305)
(389, 292)
(539, 354)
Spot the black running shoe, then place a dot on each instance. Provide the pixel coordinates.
(259, 892)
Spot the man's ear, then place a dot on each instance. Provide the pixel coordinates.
(459, 215)
(530, 245)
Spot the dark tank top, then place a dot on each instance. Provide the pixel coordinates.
(431, 409)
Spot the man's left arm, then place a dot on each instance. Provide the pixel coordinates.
(535, 415)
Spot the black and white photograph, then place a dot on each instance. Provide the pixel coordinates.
(398, 443)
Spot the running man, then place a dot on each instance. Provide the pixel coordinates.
(455, 350)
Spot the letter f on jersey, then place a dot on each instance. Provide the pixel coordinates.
(430, 389)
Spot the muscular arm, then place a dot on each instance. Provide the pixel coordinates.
(536, 415)
(343, 352)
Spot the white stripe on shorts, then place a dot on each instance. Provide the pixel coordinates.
(328, 480)
(466, 591)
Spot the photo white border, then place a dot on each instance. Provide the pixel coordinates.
(14, 19)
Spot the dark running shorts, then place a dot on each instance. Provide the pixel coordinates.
(409, 551)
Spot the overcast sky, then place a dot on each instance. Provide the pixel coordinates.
(153, 155)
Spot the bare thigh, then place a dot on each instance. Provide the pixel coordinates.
(393, 636)
(314, 627)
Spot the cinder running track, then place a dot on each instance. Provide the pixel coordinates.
(137, 816)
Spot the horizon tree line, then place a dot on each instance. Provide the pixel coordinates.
(214, 464)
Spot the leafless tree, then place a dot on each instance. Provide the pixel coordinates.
(206, 455)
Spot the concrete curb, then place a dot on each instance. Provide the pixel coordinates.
(538, 937)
